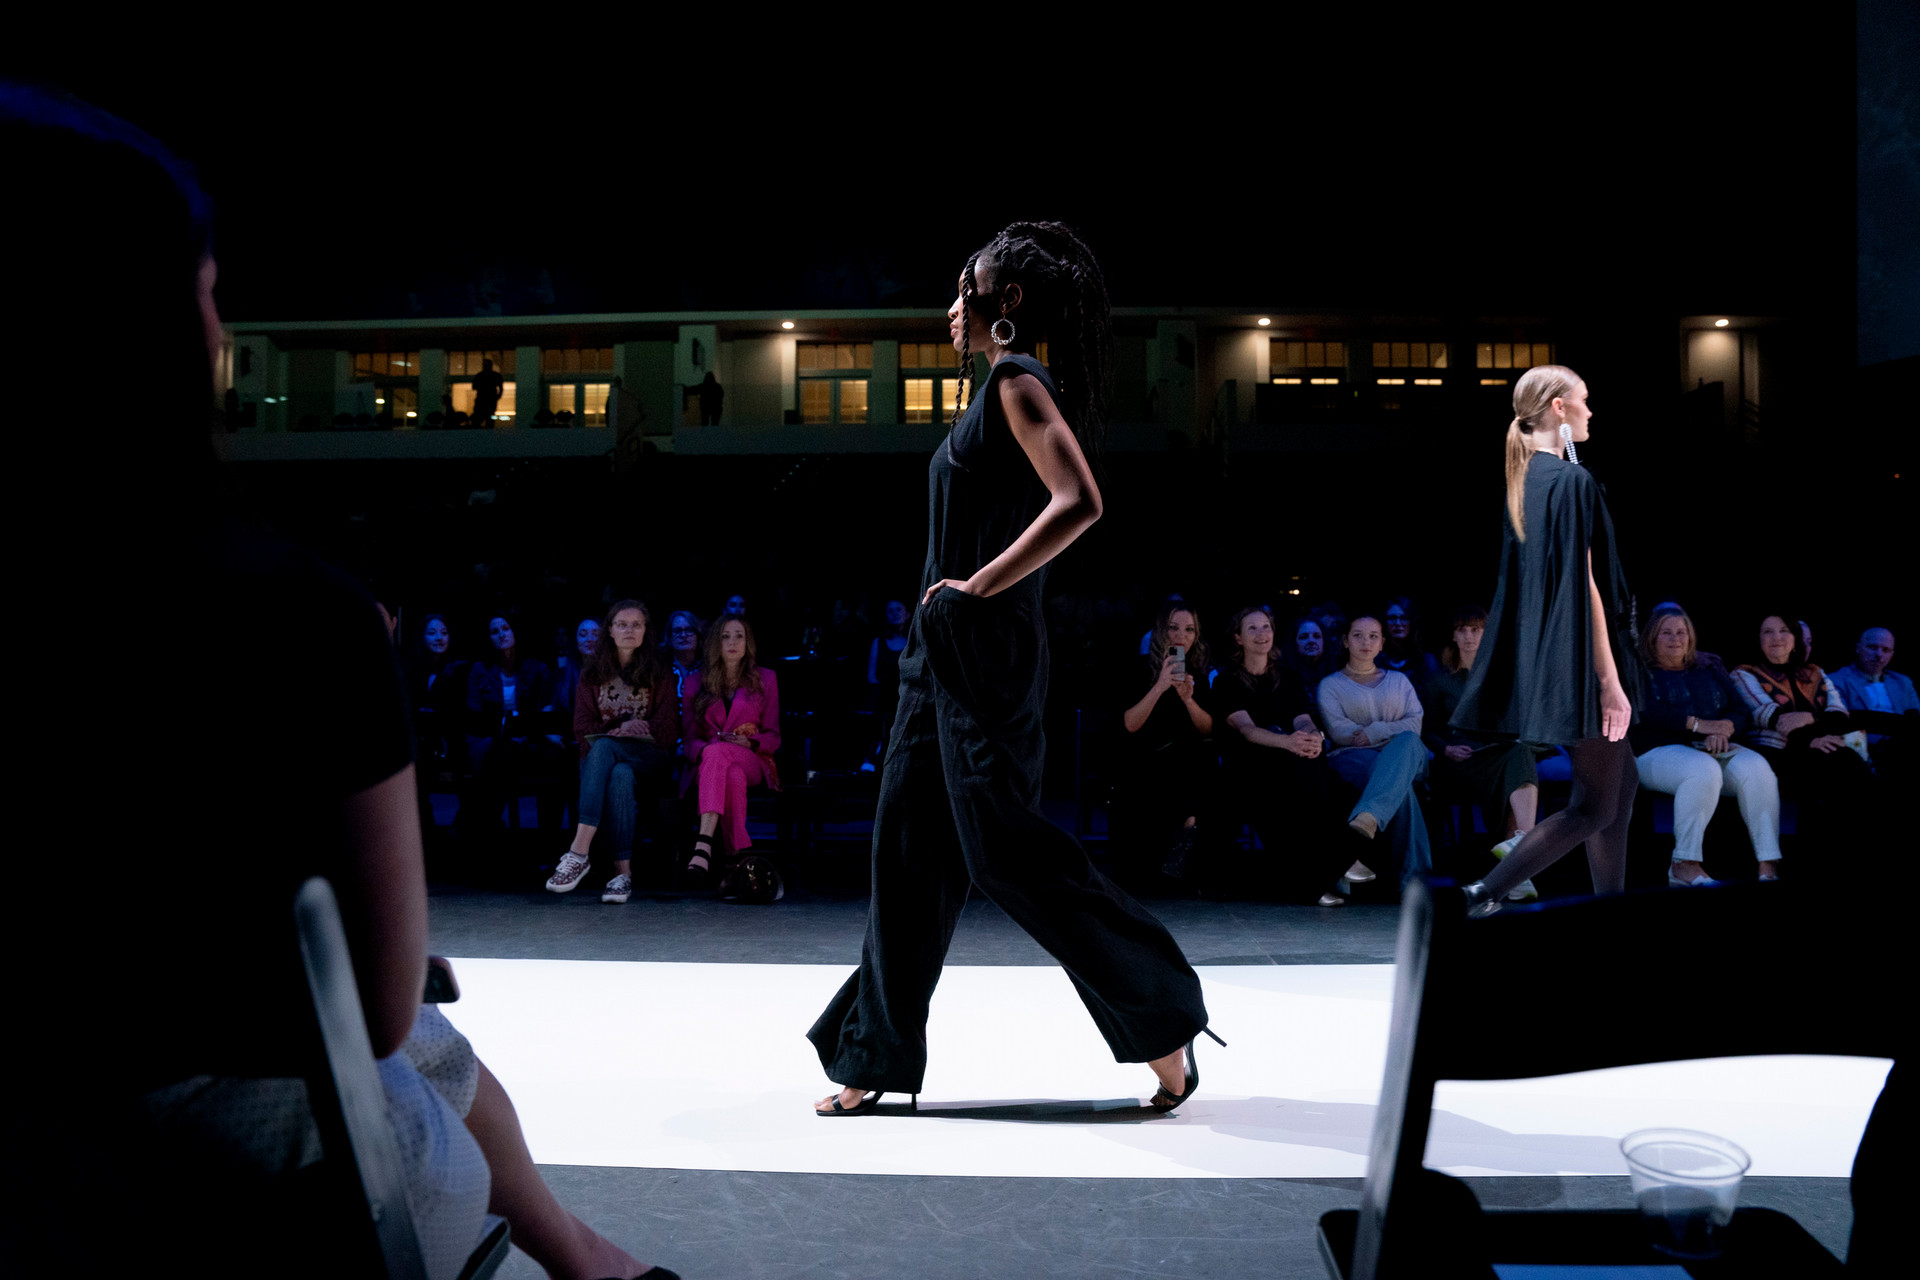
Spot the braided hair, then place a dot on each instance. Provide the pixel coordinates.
(1064, 303)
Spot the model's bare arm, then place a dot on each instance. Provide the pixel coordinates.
(1050, 446)
(1616, 713)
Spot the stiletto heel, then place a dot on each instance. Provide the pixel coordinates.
(1193, 1076)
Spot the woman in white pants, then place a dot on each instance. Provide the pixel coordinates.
(1684, 747)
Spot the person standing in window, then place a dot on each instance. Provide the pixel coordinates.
(1560, 662)
(488, 387)
(1011, 487)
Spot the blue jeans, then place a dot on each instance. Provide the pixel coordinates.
(1385, 776)
(610, 779)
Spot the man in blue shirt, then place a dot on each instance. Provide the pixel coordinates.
(1867, 687)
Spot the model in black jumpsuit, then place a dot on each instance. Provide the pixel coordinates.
(960, 796)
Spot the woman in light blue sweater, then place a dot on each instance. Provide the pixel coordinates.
(1372, 717)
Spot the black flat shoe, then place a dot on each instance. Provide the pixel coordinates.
(1164, 1101)
(863, 1107)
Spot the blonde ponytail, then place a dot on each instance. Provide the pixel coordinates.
(1519, 454)
(1533, 395)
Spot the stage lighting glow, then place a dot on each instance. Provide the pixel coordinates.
(786, 324)
(1263, 322)
(1720, 324)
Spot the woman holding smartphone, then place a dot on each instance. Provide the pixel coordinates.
(1167, 734)
(1011, 487)
(1559, 663)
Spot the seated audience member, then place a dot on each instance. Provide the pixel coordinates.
(573, 660)
(436, 684)
(1686, 745)
(1168, 730)
(161, 1135)
(1800, 725)
(1306, 652)
(736, 604)
(1373, 722)
(883, 678)
(1403, 652)
(509, 709)
(1333, 625)
(1146, 639)
(732, 729)
(1499, 776)
(1275, 770)
(1882, 702)
(625, 719)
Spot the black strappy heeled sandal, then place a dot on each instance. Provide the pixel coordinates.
(1193, 1077)
(699, 877)
(863, 1107)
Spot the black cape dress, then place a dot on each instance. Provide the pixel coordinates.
(1534, 679)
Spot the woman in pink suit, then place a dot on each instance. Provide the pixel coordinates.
(732, 729)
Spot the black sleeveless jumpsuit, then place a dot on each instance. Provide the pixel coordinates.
(960, 797)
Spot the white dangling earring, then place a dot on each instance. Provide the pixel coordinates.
(1566, 437)
(994, 332)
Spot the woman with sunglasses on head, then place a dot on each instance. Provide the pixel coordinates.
(1012, 486)
(1559, 661)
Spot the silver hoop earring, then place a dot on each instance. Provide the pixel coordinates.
(994, 331)
(1566, 438)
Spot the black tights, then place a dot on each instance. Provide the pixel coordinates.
(1604, 780)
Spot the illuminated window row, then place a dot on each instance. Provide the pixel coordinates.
(465, 364)
(1512, 355)
(576, 360)
(1287, 354)
(1313, 382)
(1409, 355)
(386, 364)
(920, 405)
(586, 401)
(461, 394)
(825, 357)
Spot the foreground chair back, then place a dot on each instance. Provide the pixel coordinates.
(1604, 982)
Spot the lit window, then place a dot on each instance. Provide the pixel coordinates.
(1391, 382)
(1290, 382)
(951, 387)
(928, 355)
(816, 401)
(1512, 355)
(593, 403)
(576, 360)
(560, 397)
(1409, 355)
(386, 364)
(826, 393)
(1288, 355)
(917, 399)
(467, 364)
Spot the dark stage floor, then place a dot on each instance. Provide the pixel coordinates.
(754, 1224)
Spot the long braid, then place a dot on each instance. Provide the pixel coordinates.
(963, 385)
(1065, 302)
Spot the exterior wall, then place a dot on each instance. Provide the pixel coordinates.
(529, 388)
(756, 392)
(433, 381)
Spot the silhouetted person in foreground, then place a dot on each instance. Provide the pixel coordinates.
(711, 394)
(488, 387)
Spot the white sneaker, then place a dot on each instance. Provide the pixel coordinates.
(1523, 892)
(566, 877)
(1506, 846)
(618, 889)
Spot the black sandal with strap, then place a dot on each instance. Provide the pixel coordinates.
(865, 1106)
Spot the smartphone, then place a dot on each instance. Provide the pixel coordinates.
(1178, 653)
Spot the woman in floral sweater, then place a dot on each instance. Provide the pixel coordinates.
(624, 717)
(1800, 725)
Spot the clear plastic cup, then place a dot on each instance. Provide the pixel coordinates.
(1686, 1184)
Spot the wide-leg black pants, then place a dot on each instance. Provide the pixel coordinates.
(960, 806)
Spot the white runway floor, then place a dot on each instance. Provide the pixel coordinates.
(706, 1066)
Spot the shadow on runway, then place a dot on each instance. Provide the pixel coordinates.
(1035, 1111)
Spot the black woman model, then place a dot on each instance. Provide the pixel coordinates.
(1010, 488)
(1560, 660)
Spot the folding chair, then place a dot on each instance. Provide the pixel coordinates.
(1590, 1004)
(361, 1164)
